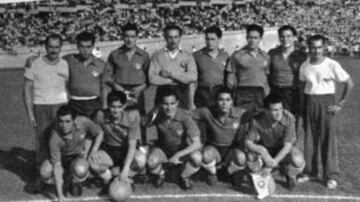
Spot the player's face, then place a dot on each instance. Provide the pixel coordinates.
(169, 106)
(224, 102)
(316, 49)
(286, 38)
(212, 41)
(172, 38)
(53, 48)
(276, 111)
(253, 39)
(130, 38)
(66, 123)
(116, 108)
(85, 48)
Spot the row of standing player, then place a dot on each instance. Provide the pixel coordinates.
(194, 77)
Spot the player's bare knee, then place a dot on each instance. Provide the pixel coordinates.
(153, 162)
(46, 170)
(208, 156)
(80, 168)
(298, 160)
(196, 159)
(139, 161)
(240, 158)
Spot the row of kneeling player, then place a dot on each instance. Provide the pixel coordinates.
(111, 146)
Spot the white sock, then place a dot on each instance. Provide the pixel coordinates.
(211, 167)
(189, 170)
(232, 168)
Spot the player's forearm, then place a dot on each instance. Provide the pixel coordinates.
(159, 80)
(186, 77)
(230, 80)
(58, 175)
(98, 140)
(103, 94)
(194, 146)
(349, 85)
(283, 152)
(255, 148)
(28, 99)
(130, 155)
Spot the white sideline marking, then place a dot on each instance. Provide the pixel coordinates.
(219, 195)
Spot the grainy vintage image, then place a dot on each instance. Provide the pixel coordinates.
(179, 100)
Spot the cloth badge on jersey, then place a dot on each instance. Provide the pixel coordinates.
(265, 63)
(179, 132)
(137, 66)
(236, 125)
(184, 65)
(82, 135)
(95, 74)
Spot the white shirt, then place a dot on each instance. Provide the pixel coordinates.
(320, 79)
(49, 81)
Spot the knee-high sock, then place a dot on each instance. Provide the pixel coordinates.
(233, 167)
(210, 167)
(189, 170)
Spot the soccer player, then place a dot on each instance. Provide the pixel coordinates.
(127, 66)
(285, 61)
(224, 135)
(178, 140)
(271, 138)
(118, 155)
(246, 72)
(210, 62)
(319, 75)
(174, 66)
(44, 92)
(69, 153)
(86, 71)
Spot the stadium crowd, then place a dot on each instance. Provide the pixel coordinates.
(105, 21)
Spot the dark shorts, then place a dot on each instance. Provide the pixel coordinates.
(117, 154)
(66, 161)
(290, 97)
(223, 151)
(205, 96)
(86, 107)
(250, 98)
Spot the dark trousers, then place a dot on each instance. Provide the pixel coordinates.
(320, 146)
(45, 116)
(205, 96)
(250, 98)
(290, 98)
(86, 107)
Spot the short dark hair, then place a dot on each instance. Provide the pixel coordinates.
(287, 27)
(166, 91)
(215, 30)
(222, 90)
(131, 27)
(316, 37)
(172, 27)
(53, 36)
(85, 36)
(272, 99)
(114, 96)
(66, 110)
(255, 27)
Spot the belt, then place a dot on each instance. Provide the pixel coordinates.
(74, 97)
